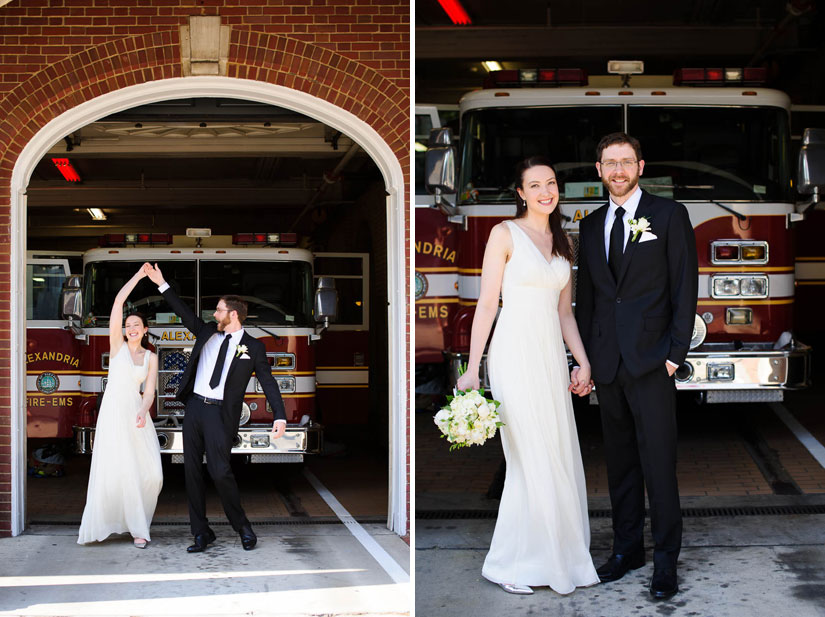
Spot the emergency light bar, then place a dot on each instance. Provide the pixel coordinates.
(521, 78)
(263, 239)
(138, 238)
(749, 76)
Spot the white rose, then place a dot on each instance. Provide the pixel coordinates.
(483, 411)
(442, 416)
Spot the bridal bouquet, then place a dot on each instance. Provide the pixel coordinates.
(468, 419)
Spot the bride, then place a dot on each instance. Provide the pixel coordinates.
(126, 474)
(542, 535)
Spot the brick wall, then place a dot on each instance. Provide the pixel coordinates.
(56, 54)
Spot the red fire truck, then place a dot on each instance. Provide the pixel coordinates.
(290, 308)
(713, 139)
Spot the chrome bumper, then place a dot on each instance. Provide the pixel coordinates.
(721, 373)
(253, 441)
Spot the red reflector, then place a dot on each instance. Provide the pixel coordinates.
(714, 74)
(260, 237)
(547, 74)
(144, 238)
(727, 253)
(242, 238)
(66, 170)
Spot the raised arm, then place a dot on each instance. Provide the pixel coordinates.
(116, 316)
(499, 247)
(148, 390)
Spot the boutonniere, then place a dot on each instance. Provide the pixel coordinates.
(240, 350)
(638, 226)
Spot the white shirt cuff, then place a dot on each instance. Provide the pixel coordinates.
(164, 287)
(284, 421)
(673, 364)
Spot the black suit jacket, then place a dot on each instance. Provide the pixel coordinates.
(240, 370)
(646, 317)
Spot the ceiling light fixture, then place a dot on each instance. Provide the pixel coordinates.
(491, 65)
(455, 12)
(66, 170)
(96, 213)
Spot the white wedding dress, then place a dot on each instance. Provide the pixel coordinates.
(542, 535)
(126, 474)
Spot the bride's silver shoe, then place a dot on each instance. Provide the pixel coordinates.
(522, 590)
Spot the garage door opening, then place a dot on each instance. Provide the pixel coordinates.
(273, 201)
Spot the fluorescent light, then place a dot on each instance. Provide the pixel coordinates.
(491, 65)
(96, 213)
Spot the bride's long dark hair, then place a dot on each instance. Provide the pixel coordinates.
(561, 244)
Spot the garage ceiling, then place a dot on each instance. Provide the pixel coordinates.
(786, 37)
(228, 165)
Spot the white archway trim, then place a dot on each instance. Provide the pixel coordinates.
(225, 87)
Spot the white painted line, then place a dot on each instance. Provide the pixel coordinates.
(383, 558)
(810, 442)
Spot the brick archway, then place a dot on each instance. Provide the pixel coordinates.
(273, 59)
(326, 82)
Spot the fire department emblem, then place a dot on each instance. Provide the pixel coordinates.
(421, 285)
(47, 383)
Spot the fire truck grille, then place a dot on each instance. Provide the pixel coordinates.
(172, 362)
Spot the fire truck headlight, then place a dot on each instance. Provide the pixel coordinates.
(754, 286)
(286, 384)
(725, 287)
(739, 285)
(700, 331)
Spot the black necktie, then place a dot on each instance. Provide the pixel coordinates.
(614, 258)
(216, 373)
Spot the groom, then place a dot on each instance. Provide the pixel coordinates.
(212, 387)
(635, 306)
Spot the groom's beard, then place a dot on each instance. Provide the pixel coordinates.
(223, 323)
(625, 189)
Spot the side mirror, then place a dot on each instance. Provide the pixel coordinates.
(326, 300)
(440, 163)
(811, 165)
(71, 298)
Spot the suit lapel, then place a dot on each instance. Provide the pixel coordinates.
(236, 356)
(644, 209)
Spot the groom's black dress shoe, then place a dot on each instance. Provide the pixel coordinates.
(248, 538)
(663, 585)
(202, 540)
(618, 565)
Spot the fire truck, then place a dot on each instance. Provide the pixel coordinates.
(291, 309)
(713, 139)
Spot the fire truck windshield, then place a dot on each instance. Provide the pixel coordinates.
(691, 153)
(278, 293)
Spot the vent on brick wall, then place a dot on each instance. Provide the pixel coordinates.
(686, 512)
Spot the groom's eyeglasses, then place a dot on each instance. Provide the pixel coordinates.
(626, 164)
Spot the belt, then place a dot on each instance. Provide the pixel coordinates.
(208, 401)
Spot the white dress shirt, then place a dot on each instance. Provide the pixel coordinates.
(630, 207)
(208, 359)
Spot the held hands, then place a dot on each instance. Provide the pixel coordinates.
(154, 273)
(468, 381)
(278, 429)
(580, 381)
